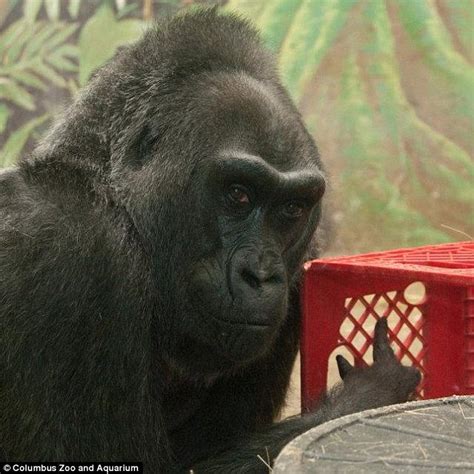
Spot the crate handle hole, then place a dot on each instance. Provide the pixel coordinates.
(415, 293)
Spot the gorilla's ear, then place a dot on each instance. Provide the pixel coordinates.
(139, 151)
(134, 148)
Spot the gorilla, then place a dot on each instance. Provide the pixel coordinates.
(150, 251)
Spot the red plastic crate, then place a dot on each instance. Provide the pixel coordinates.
(343, 297)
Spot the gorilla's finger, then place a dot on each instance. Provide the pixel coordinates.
(343, 365)
(414, 377)
(382, 349)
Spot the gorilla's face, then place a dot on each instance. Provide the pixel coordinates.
(263, 217)
(257, 190)
(235, 184)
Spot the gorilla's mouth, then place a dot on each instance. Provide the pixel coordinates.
(247, 324)
(225, 310)
(235, 313)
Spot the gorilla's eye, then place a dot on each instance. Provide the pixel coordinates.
(238, 195)
(293, 209)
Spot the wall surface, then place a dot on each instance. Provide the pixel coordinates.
(385, 86)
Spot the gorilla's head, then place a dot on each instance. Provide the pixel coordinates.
(257, 190)
(221, 181)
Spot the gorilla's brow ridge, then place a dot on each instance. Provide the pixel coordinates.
(241, 161)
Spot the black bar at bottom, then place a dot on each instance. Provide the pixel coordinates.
(68, 467)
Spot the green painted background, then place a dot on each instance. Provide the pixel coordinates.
(385, 86)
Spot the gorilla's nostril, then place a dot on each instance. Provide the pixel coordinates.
(256, 279)
(250, 278)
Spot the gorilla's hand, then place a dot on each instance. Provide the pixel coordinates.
(386, 381)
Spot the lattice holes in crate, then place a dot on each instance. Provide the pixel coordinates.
(404, 310)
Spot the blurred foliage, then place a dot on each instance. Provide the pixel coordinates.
(33, 56)
(387, 89)
(101, 36)
(385, 86)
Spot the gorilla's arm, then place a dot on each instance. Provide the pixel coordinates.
(73, 366)
(385, 382)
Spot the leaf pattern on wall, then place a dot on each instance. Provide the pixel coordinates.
(386, 87)
(387, 90)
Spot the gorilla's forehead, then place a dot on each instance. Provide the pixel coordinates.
(256, 117)
(242, 95)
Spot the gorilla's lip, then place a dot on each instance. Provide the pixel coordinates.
(248, 324)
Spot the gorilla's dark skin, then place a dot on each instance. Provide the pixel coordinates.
(149, 259)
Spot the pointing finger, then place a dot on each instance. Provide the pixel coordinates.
(382, 349)
(343, 365)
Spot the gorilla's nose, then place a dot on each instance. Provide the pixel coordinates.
(257, 277)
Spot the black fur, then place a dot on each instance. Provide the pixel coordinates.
(147, 311)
